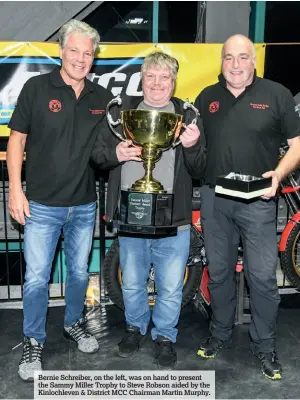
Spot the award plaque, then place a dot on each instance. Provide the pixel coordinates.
(147, 208)
(243, 186)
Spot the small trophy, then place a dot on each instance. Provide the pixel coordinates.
(146, 208)
(243, 186)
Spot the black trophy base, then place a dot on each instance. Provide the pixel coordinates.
(146, 213)
(148, 230)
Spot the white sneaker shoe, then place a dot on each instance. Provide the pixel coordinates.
(31, 359)
(86, 342)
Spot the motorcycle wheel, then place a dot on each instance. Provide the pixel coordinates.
(113, 279)
(290, 258)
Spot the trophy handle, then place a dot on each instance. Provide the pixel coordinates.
(187, 105)
(111, 122)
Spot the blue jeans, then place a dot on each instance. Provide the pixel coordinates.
(41, 235)
(169, 256)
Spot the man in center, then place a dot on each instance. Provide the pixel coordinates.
(168, 254)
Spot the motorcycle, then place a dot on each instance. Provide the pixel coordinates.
(289, 244)
(196, 276)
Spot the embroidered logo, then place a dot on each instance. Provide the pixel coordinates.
(259, 106)
(97, 111)
(214, 106)
(54, 105)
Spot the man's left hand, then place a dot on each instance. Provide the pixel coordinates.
(190, 136)
(275, 183)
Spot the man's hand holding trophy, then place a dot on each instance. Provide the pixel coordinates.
(127, 151)
(147, 207)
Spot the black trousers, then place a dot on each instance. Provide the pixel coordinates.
(225, 220)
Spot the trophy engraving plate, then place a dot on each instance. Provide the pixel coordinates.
(243, 186)
(140, 208)
(146, 210)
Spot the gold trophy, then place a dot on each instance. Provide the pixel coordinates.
(146, 207)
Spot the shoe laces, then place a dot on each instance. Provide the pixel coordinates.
(77, 331)
(32, 351)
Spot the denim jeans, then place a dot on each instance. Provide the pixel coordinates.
(169, 256)
(41, 235)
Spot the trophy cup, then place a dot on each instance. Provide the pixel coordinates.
(146, 208)
(242, 185)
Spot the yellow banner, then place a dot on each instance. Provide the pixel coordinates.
(116, 67)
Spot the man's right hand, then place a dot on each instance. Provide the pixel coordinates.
(126, 151)
(18, 206)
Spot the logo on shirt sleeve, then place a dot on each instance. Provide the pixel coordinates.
(214, 106)
(54, 105)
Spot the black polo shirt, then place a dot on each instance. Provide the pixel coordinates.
(244, 134)
(61, 133)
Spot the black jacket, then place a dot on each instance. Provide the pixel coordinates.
(189, 164)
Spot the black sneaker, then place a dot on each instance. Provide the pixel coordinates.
(131, 341)
(31, 359)
(165, 355)
(270, 366)
(211, 347)
(86, 342)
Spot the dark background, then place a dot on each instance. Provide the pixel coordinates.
(178, 24)
(114, 21)
(282, 25)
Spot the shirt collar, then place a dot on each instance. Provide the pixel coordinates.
(58, 81)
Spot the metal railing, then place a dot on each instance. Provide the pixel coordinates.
(12, 263)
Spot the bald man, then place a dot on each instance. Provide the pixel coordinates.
(245, 119)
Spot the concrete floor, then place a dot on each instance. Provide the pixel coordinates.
(237, 370)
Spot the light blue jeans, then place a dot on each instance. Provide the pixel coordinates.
(41, 235)
(169, 256)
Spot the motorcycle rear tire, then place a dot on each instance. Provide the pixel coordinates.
(290, 257)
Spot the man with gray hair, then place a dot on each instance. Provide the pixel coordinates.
(58, 116)
(245, 119)
(168, 254)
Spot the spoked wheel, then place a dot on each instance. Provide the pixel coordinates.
(290, 258)
(113, 279)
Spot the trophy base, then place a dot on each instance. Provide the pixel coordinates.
(148, 230)
(146, 211)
